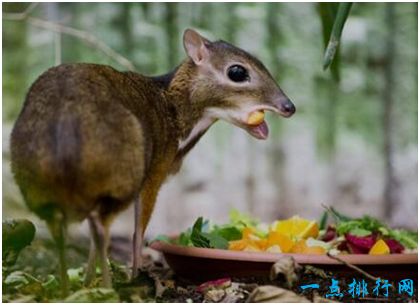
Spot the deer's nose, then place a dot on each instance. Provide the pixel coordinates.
(287, 107)
(284, 106)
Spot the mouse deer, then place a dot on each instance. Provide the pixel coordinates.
(91, 140)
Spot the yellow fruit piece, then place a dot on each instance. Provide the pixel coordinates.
(274, 249)
(312, 230)
(379, 248)
(314, 250)
(238, 245)
(260, 244)
(256, 118)
(299, 247)
(297, 228)
(252, 249)
(248, 245)
(247, 232)
(281, 240)
(302, 248)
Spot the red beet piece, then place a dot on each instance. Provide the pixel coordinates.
(330, 234)
(343, 246)
(394, 246)
(353, 249)
(360, 244)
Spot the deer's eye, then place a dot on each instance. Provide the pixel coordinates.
(237, 73)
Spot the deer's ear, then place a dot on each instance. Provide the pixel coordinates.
(195, 46)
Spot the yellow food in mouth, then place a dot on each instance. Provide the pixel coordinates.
(256, 118)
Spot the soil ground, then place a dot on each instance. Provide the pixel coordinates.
(34, 279)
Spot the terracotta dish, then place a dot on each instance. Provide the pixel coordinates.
(200, 264)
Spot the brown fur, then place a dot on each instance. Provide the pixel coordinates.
(92, 137)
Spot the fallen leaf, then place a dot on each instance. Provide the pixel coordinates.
(316, 271)
(101, 295)
(285, 268)
(215, 284)
(273, 294)
(214, 295)
(235, 293)
(318, 299)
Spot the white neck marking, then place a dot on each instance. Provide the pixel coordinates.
(202, 125)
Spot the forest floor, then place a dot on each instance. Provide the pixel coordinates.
(33, 278)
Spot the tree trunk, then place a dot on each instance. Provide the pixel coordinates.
(275, 152)
(72, 49)
(391, 183)
(274, 38)
(232, 22)
(172, 34)
(124, 26)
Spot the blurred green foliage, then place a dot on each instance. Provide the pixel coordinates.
(16, 235)
(287, 37)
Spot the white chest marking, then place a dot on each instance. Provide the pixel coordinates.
(198, 129)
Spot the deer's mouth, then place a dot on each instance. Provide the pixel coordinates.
(259, 131)
(251, 118)
(254, 122)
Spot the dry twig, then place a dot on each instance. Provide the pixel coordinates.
(21, 16)
(369, 276)
(82, 35)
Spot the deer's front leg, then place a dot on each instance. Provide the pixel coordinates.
(143, 208)
(137, 237)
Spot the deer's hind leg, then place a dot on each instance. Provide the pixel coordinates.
(99, 248)
(58, 228)
(91, 267)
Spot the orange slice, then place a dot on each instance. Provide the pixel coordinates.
(302, 248)
(247, 232)
(281, 240)
(297, 228)
(238, 245)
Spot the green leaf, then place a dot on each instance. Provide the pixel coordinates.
(17, 233)
(75, 275)
(228, 233)
(409, 239)
(216, 241)
(327, 13)
(337, 29)
(198, 224)
(197, 238)
(23, 283)
(323, 221)
(338, 216)
(208, 239)
(163, 238)
(241, 220)
(366, 223)
(184, 239)
(51, 284)
(17, 279)
(360, 232)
